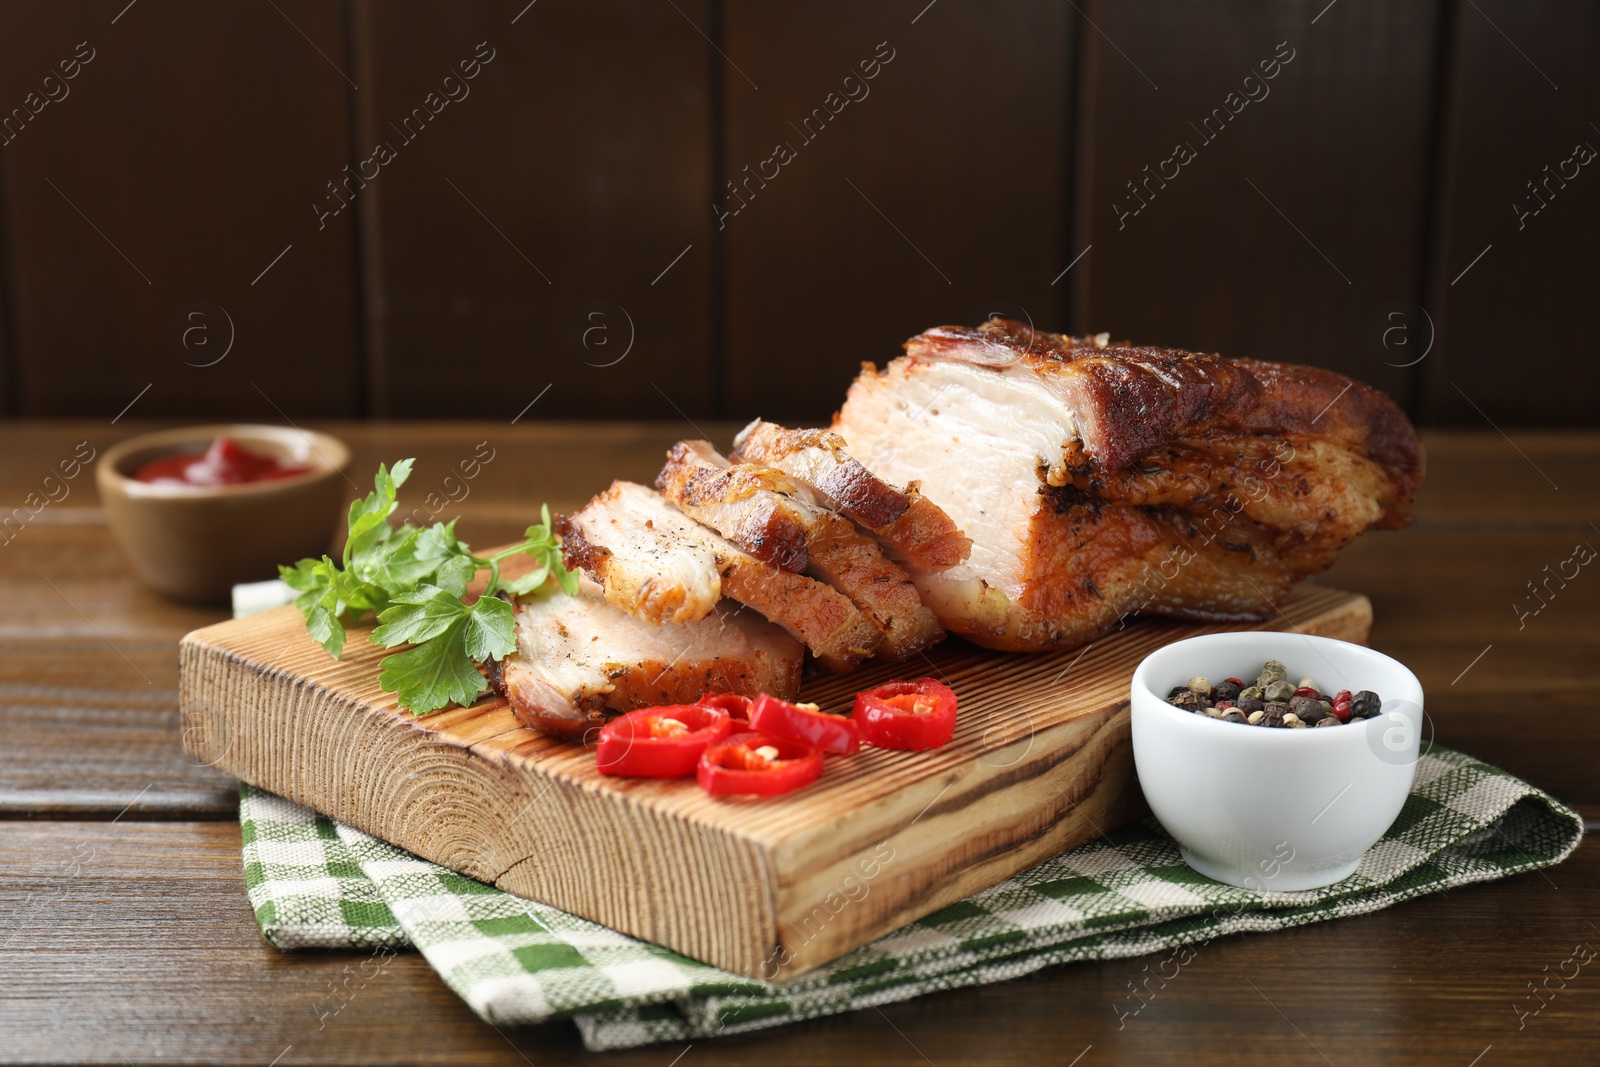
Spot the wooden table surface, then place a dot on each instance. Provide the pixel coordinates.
(126, 937)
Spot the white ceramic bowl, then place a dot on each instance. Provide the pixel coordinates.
(1275, 809)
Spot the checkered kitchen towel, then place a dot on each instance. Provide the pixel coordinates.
(315, 883)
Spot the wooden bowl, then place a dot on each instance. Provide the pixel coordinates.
(196, 542)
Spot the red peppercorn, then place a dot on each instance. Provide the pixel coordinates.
(1342, 695)
(1307, 691)
(1224, 705)
(1236, 681)
(1341, 712)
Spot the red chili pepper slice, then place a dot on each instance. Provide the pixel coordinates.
(736, 705)
(805, 725)
(757, 763)
(907, 715)
(664, 742)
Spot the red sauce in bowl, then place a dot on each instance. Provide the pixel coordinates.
(225, 462)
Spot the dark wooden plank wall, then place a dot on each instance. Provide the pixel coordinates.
(934, 194)
(564, 218)
(1517, 343)
(528, 231)
(176, 165)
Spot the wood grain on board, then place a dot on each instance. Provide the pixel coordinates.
(1041, 762)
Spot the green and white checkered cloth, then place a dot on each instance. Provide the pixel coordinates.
(316, 883)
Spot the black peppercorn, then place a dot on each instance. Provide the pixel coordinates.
(1249, 704)
(1225, 691)
(1365, 705)
(1310, 709)
(1275, 711)
(1233, 715)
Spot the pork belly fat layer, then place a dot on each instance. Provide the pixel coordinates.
(657, 563)
(579, 658)
(1081, 467)
(758, 508)
(919, 533)
(651, 559)
(818, 458)
(975, 438)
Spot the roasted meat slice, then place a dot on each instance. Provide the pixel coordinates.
(578, 658)
(917, 530)
(1100, 480)
(772, 516)
(657, 563)
(757, 508)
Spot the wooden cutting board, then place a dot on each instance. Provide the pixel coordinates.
(1041, 762)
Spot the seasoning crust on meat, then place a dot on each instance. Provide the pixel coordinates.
(775, 517)
(660, 565)
(1097, 480)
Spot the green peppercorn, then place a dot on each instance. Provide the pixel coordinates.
(1277, 690)
(1272, 672)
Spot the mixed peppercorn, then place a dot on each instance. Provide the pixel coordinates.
(1272, 700)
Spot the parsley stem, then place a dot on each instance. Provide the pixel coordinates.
(508, 553)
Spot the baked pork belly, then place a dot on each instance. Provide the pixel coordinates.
(578, 658)
(916, 530)
(660, 565)
(779, 521)
(1100, 480)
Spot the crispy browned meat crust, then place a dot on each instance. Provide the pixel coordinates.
(915, 528)
(1183, 484)
(1134, 398)
(757, 507)
(579, 660)
(749, 505)
(658, 564)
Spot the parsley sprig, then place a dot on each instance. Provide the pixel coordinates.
(414, 579)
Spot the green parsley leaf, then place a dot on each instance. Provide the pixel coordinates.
(369, 517)
(414, 579)
(435, 674)
(419, 616)
(527, 583)
(318, 601)
(491, 629)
